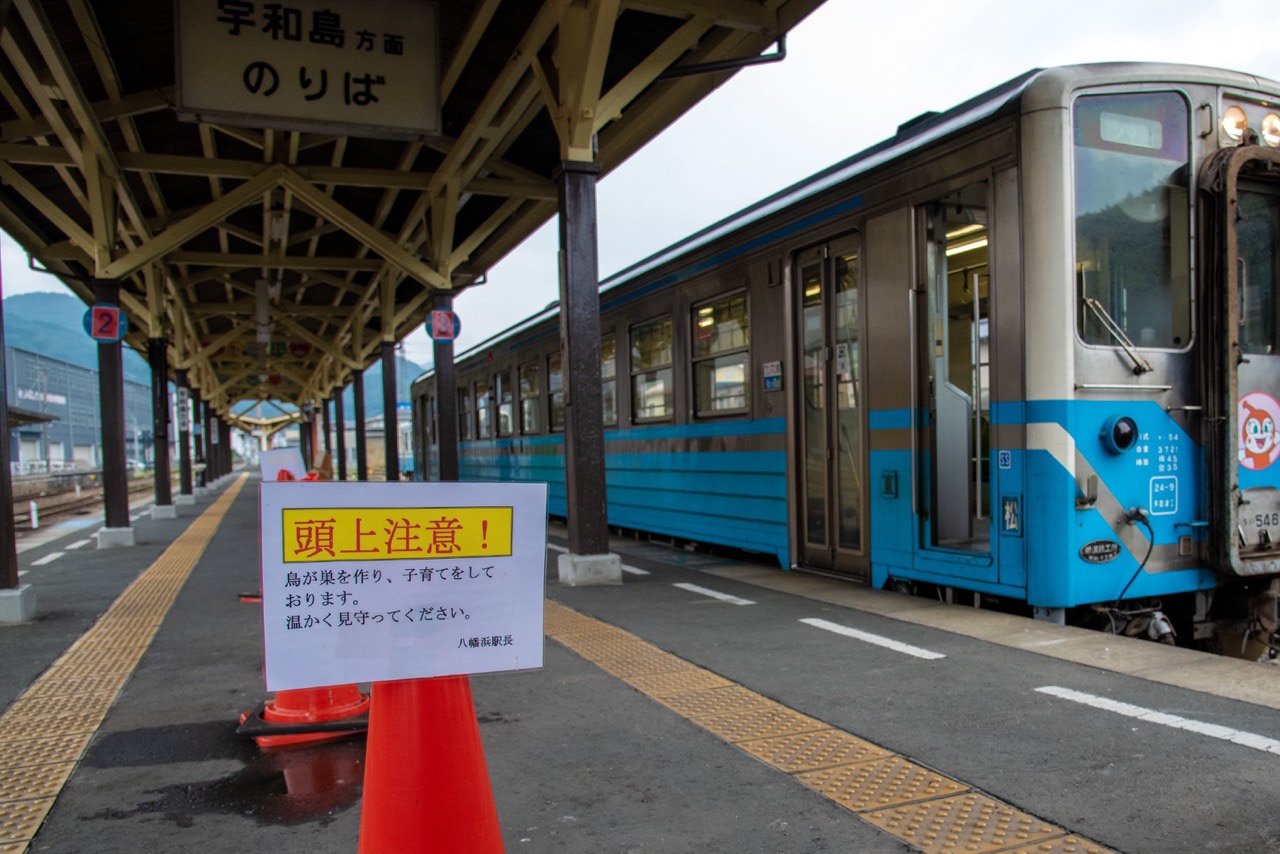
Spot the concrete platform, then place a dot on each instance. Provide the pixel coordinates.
(705, 705)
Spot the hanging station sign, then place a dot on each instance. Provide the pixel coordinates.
(365, 69)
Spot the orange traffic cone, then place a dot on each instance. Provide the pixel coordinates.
(307, 716)
(426, 784)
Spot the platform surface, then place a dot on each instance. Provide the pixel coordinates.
(707, 704)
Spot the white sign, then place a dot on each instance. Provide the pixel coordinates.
(369, 68)
(282, 459)
(369, 582)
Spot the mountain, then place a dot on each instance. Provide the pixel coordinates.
(53, 325)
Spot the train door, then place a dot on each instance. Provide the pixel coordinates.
(953, 472)
(1247, 444)
(832, 515)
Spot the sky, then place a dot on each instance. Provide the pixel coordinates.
(854, 71)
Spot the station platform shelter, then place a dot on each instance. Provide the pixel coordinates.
(709, 703)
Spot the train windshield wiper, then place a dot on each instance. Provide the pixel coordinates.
(1140, 365)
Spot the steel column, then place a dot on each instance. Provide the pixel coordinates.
(198, 465)
(357, 389)
(580, 337)
(8, 537)
(158, 356)
(340, 433)
(390, 417)
(184, 433)
(326, 424)
(306, 443)
(446, 398)
(115, 476)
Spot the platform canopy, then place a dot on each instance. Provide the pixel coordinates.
(277, 252)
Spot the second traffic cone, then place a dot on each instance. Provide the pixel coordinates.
(307, 716)
(426, 784)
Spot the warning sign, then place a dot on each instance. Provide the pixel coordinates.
(366, 582)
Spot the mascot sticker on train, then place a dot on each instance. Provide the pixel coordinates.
(1258, 415)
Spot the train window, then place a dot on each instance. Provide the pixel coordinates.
(530, 399)
(609, 377)
(1258, 230)
(1133, 239)
(502, 391)
(484, 410)
(652, 395)
(721, 334)
(555, 392)
(465, 422)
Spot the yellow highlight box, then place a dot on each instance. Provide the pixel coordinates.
(320, 535)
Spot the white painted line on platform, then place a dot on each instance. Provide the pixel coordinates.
(78, 544)
(49, 558)
(1236, 736)
(878, 640)
(558, 549)
(715, 594)
(634, 570)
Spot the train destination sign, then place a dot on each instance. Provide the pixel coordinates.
(370, 68)
(370, 582)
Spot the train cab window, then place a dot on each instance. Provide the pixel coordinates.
(484, 410)
(1133, 245)
(652, 395)
(555, 392)
(530, 399)
(502, 393)
(721, 334)
(466, 421)
(1258, 229)
(609, 378)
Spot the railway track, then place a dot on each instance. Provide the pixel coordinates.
(56, 506)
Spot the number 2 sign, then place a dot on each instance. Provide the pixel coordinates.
(106, 323)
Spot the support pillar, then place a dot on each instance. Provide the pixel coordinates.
(17, 600)
(446, 397)
(305, 444)
(198, 461)
(206, 422)
(362, 461)
(326, 425)
(115, 475)
(158, 356)
(588, 560)
(390, 417)
(340, 423)
(186, 495)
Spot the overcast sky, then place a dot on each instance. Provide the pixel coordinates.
(854, 71)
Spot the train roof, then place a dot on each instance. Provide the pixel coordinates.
(1051, 85)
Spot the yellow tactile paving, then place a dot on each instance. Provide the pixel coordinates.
(45, 732)
(922, 808)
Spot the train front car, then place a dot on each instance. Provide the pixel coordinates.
(1152, 200)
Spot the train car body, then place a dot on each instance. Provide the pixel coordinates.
(1028, 348)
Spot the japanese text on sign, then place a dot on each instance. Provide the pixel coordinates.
(311, 63)
(330, 534)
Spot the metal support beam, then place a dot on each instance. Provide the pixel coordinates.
(115, 475)
(340, 433)
(197, 437)
(8, 540)
(327, 425)
(362, 463)
(305, 440)
(446, 398)
(390, 421)
(158, 356)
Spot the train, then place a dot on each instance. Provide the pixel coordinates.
(1023, 354)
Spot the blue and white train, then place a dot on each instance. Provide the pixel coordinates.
(1027, 351)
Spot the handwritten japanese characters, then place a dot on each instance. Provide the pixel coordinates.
(310, 60)
(403, 585)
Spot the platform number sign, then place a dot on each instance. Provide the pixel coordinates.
(443, 325)
(105, 323)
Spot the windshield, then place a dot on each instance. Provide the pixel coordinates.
(1258, 228)
(1132, 220)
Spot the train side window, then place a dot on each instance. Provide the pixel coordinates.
(555, 392)
(466, 423)
(1258, 229)
(530, 399)
(502, 392)
(1133, 220)
(652, 395)
(609, 377)
(484, 410)
(721, 337)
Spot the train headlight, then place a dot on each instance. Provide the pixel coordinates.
(1234, 123)
(1270, 132)
(1119, 434)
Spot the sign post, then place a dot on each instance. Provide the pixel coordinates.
(411, 586)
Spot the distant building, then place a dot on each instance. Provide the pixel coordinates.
(68, 395)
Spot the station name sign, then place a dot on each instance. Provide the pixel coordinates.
(363, 69)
